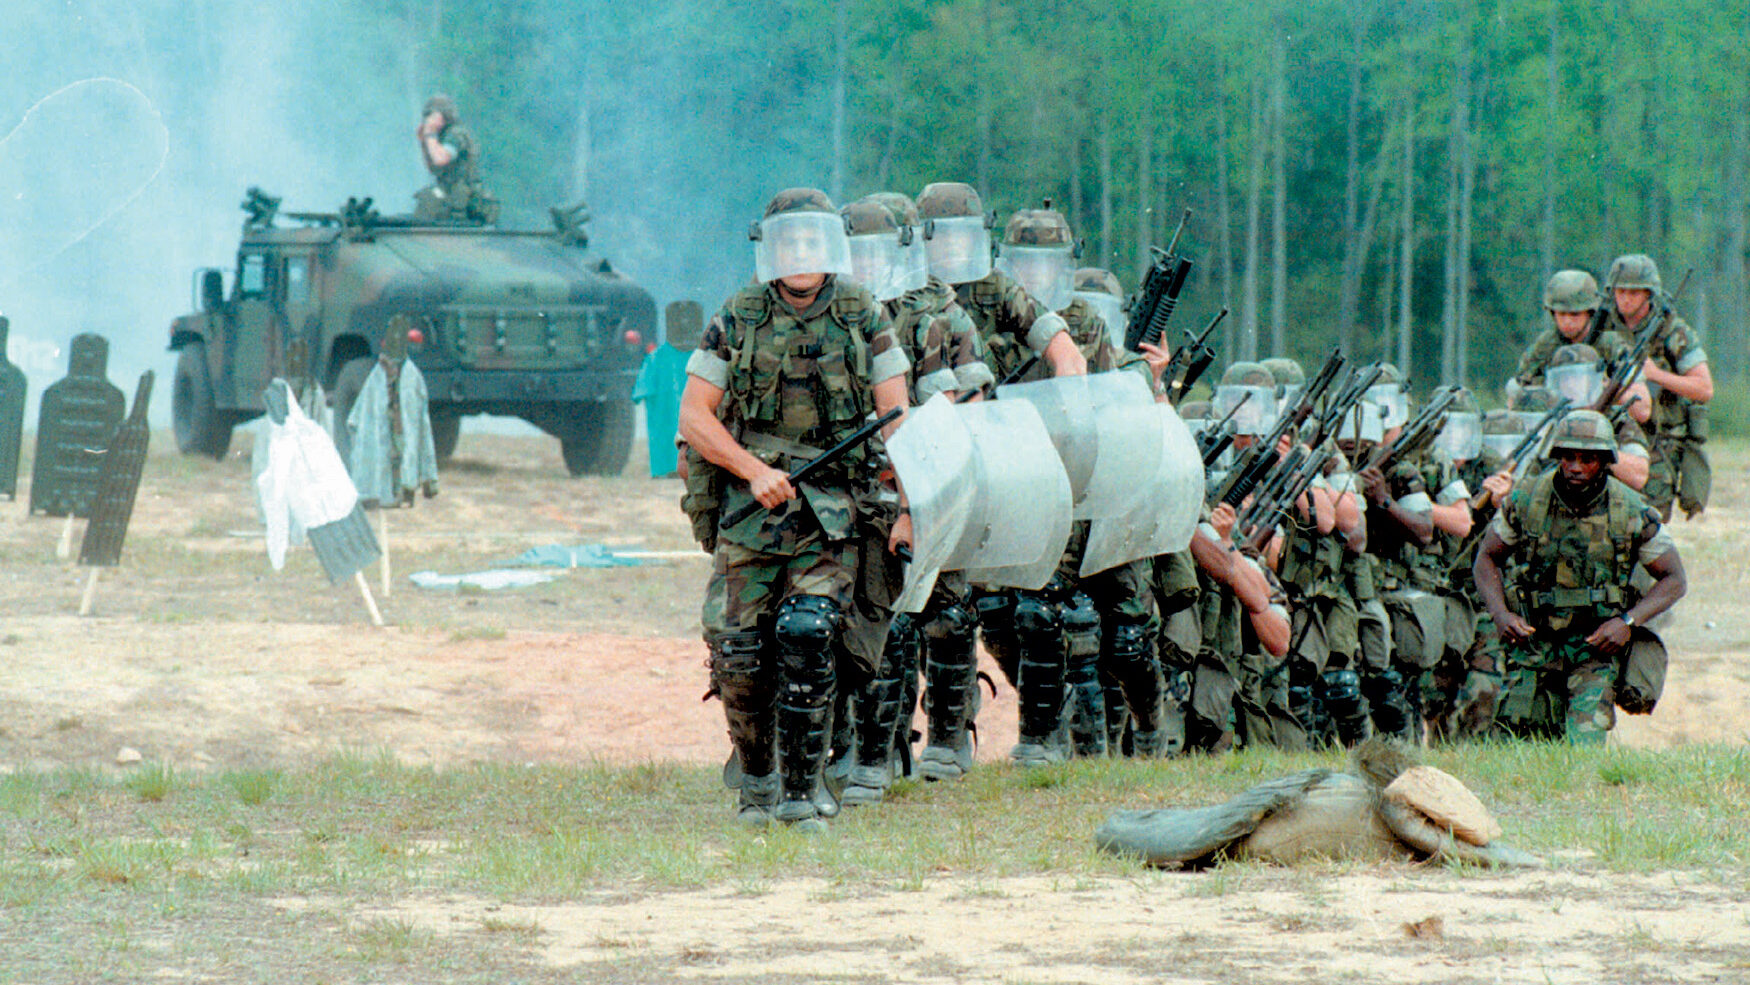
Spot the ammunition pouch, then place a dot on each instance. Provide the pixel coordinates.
(702, 499)
(1641, 675)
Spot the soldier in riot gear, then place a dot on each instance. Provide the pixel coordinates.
(1678, 366)
(790, 365)
(1554, 570)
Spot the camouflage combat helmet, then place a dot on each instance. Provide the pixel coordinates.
(947, 199)
(1570, 290)
(1584, 430)
(1388, 374)
(1569, 355)
(1634, 271)
(1533, 399)
(1247, 374)
(1098, 281)
(1194, 410)
(442, 105)
(1038, 227)
(1464, 403)
(799, 200)
(866, 217)
(905, 211)
(1502, 421)
(1286, 371)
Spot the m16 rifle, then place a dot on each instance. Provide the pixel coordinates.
(1189, 361)
(1213, 441)
(1414, 435)
(1153, 304)
(1261, 458)
(807, 469)
(1267, 509)
(1331, 416)
(1527, 447)
(1014, 374)
(1626, 368)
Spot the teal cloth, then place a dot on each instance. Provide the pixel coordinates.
(660, 382)
(578, 556)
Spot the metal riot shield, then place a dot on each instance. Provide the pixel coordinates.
(1020, 520)
(1162, 521)
(79, 415)
(1089, 432)
(932, 456)
(120, 483)
(12, 387)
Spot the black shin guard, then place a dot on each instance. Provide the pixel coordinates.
(1340, 694)
(1394, 712)
(745, 676)
(996, 624)
(1129, 654)
(1039, 667)
(805, 630)
(1081, 676)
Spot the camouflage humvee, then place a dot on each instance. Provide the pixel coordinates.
(514, 322)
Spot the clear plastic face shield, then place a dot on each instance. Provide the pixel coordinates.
(795, 243)
(1393, 402)
(958, 248)
(1583, 383)
(877, 263)
(1364, 423)
(1046, 272)
(1257, 408)
(915, 262)
(1111, 311)
(1290, 396)
(1461, 439)
(1501, 444)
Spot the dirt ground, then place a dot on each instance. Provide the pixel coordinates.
(199, 655)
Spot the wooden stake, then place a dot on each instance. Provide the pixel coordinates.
(383, 518)
(90, 592)
(358, 578)
(64, 549)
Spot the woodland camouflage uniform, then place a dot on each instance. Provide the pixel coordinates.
(1569, 572)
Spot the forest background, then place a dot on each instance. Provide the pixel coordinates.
(1395, 178)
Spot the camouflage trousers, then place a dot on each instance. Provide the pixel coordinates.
(747, 585)
(1459, 695)
(1558, 688)
(1326, 632)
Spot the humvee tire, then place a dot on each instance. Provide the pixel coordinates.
(445, 430)
(598, 439)
(200, 428)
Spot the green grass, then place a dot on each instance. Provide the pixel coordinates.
(90, 857)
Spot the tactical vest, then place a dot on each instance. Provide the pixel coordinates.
(1312, 563)
(1574, 570)
(803, 382)
(1004, 353)
(913, 315)
(1670, 412)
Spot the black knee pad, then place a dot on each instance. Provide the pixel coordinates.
(996, 613)
(1340, 692)
(736, 657)
(1128, 642)
(953, 622)
(805, 630)
(1036, 619)
(900, 656)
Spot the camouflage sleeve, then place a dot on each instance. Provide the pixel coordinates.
(1532, 362)
(931, 372)
(1630, 439)
(1655, 539)
(710, 361)
(966, 350)
(1026, 319)
(1507, 524)
(1683, 349)
(886, 356)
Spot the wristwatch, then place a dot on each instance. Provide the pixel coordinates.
(1627, 620)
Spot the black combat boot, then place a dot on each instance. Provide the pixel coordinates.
(1087, 702)
(1039, 672)
(950, 693)
(805, 630)
(742, 668)
(877, 717)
